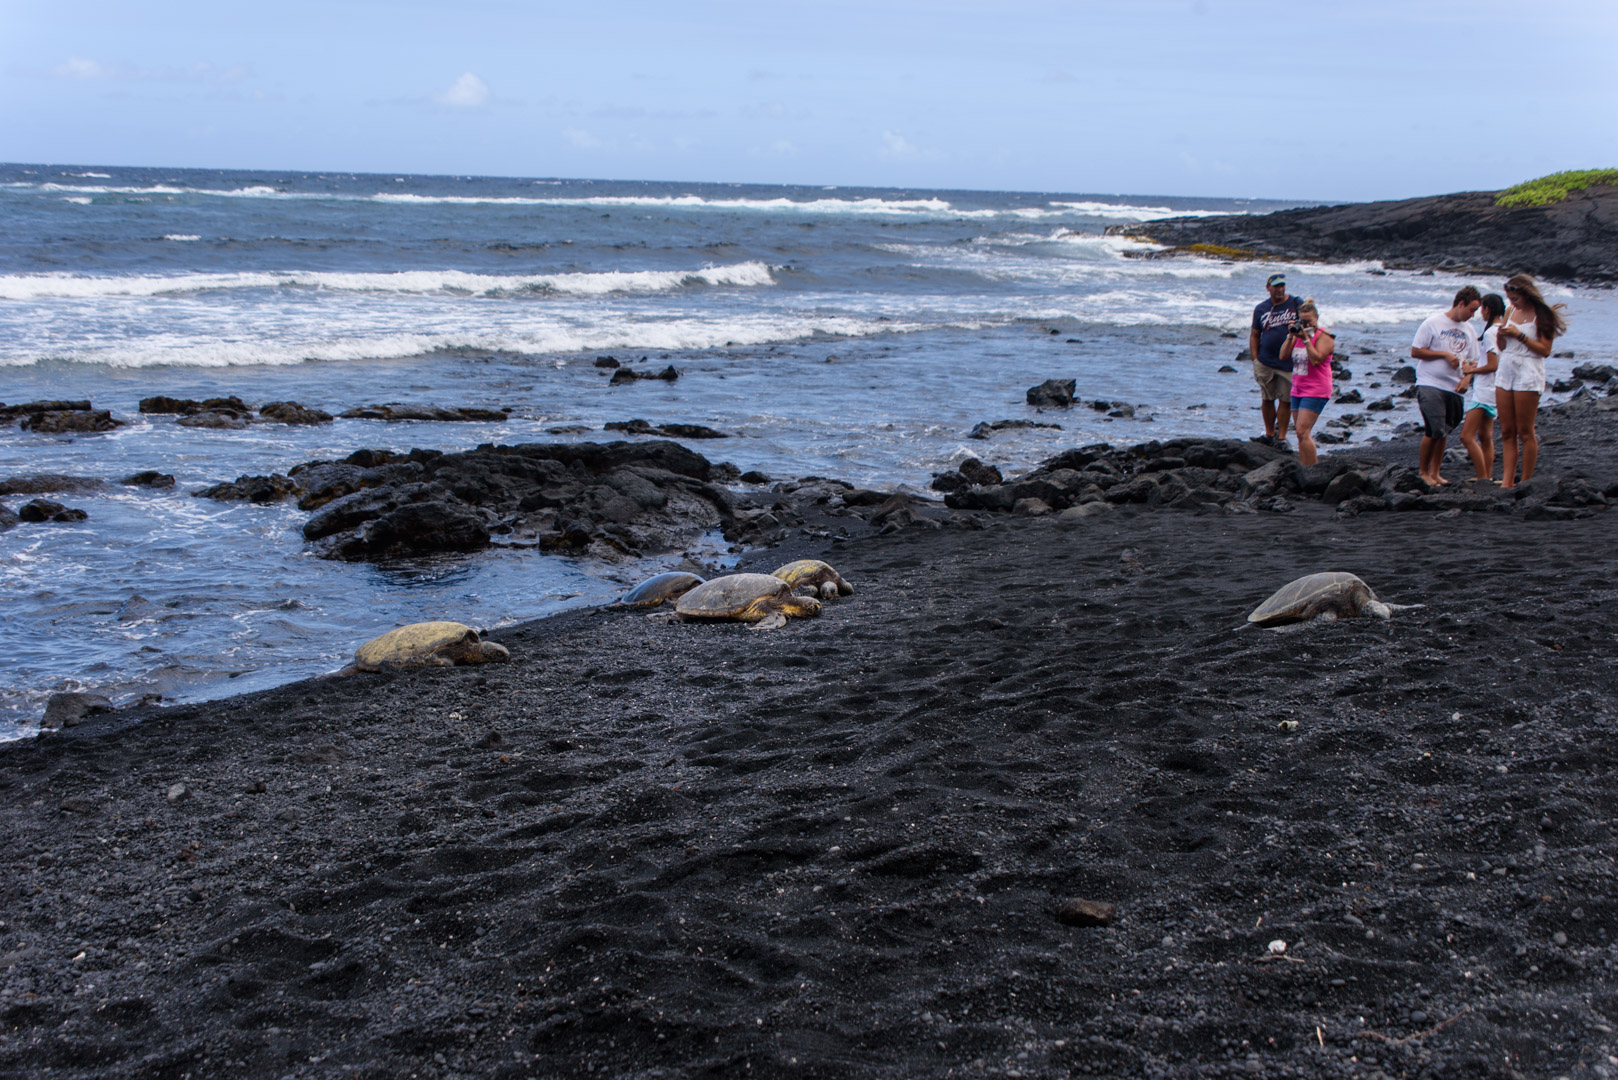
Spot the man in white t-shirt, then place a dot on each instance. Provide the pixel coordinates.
(1443, 343)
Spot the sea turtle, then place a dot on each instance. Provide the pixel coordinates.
(816, 576)
(428, 644)
(1331, 595)
(761, 599)
(659, 590)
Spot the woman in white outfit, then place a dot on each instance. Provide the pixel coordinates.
(1526, 336)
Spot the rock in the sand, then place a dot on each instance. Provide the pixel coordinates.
(1053, 393)
(30, 407)
(1380, 405)
(1405, 374)
(69, 709)
(1345, 485)
(1596, 373)
(1226, 369)
(38, 510)
(61, 422)
(290, 412)
(1087, 913)
(254, 489)
(428, 644)
(1351, 397)
(149, 478)
(48, 483)
(1075, 514)
(975, 471)
(1030, 508)
(395, 412)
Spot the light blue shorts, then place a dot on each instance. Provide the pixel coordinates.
(1490, 409)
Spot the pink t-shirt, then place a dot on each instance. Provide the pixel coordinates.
(1310, 381)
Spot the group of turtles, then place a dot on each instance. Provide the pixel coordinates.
(766, 601)
(763, 600)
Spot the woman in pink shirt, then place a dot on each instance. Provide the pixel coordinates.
(1310, 348)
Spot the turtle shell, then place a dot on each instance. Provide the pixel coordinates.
(413, 644)
(661, 589)
(729, 597)
(1334, 590)
(814, 573)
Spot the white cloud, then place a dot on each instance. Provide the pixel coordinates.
(203, 71)
(77, 67)
(897, 147)
(467, 92)
(582, 139)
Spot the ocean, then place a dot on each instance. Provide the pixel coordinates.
(846, 332)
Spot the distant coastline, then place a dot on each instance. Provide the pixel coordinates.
(1573, 241)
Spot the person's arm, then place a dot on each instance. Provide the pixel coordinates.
(1490, 363)
(1435, 354)
(1540, 347)
(1321, 349)
(1252, 340)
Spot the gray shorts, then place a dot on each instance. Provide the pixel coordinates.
(1274, 383)
(1441, 411)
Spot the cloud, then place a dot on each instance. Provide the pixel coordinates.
(467, 92)
(582, 139)
(899, 148)
(85, 69)
(781, 148)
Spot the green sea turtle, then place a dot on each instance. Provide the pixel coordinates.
(428, 644)
(760, 599)
(659, 590)
(1331, 595)
(816, 576)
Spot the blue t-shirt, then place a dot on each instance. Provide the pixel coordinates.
(1271, 322)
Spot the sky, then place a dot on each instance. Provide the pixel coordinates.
(1343, 101)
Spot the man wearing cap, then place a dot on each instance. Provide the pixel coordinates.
(1273, 372)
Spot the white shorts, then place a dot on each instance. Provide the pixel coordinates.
(1521, 371)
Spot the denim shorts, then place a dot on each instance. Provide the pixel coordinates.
(1313, 404)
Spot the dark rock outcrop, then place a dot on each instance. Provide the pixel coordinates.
(8, 518)
(628, 375)
(149, 478)
(670, 431)
(69, 709)
(985, 429)
(253, 489)
(38, 510)
(70, 422)
(31, 407)
(290, 412)
(163, 406)
(48, 483)
(395, 412)
(1053, 393)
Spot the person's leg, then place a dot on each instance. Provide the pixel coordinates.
(1470, 428)
(1268, 409)
(1506, 402)
(1283, 411)
(1439, 446)
(1426, 458)
(1486, 440)
(1304, 424)
(1527, 411)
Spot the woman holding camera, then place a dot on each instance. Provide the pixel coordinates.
(1310, 347)
(1526, 337)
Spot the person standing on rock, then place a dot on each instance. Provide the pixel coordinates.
(1525, 341)
(1310, 347)
(1477, 381)
(1272, 321)
(1443, 343)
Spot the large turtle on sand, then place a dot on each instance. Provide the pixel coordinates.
(428, 644)
(816, 576)
(1331, 595)
(663, 588)
(760, 599)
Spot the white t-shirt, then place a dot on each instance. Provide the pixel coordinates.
(1482, 390)
(1444, 333)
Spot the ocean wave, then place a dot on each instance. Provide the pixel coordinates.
(181, 237)
(866, 206)
(42, 286)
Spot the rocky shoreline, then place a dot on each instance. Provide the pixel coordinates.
(1575, 240)
(1027, 804)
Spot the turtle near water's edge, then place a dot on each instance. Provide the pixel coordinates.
(428, 644)
(761, 599)
(816, 576)
(1334, 594)
(660, 589)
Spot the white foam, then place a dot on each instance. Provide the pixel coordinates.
(41, 286)
(182, 237)
(1131, 212)
(81, 200)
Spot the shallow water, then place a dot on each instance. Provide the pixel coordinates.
(852, 333)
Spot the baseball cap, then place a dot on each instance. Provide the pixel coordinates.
(1276, 279)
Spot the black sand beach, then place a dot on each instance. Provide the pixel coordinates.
(650, 849)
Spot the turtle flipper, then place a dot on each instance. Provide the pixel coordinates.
(773, 621)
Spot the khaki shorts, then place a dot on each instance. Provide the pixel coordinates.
(1275, 384)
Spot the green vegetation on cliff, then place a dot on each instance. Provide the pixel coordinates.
(1554, 188)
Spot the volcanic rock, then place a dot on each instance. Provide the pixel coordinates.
(1053, 393)
(290, 412)
(395, 412)
(69, 709)
(65, 422)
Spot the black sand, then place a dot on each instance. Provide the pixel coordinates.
(660, 850)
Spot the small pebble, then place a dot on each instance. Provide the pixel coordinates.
(177, 792)
(1559, 938)
(1278, 946)
(1080, 912)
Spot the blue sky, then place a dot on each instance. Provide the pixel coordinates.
(1364, 100)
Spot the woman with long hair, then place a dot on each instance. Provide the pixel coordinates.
(1477, 431)
(1526, 336)
(1309, 347)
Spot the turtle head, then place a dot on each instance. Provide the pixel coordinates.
(487, 652)
(800, 606)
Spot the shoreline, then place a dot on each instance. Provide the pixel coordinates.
(654, 850)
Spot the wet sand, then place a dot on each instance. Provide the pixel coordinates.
(652, 849)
